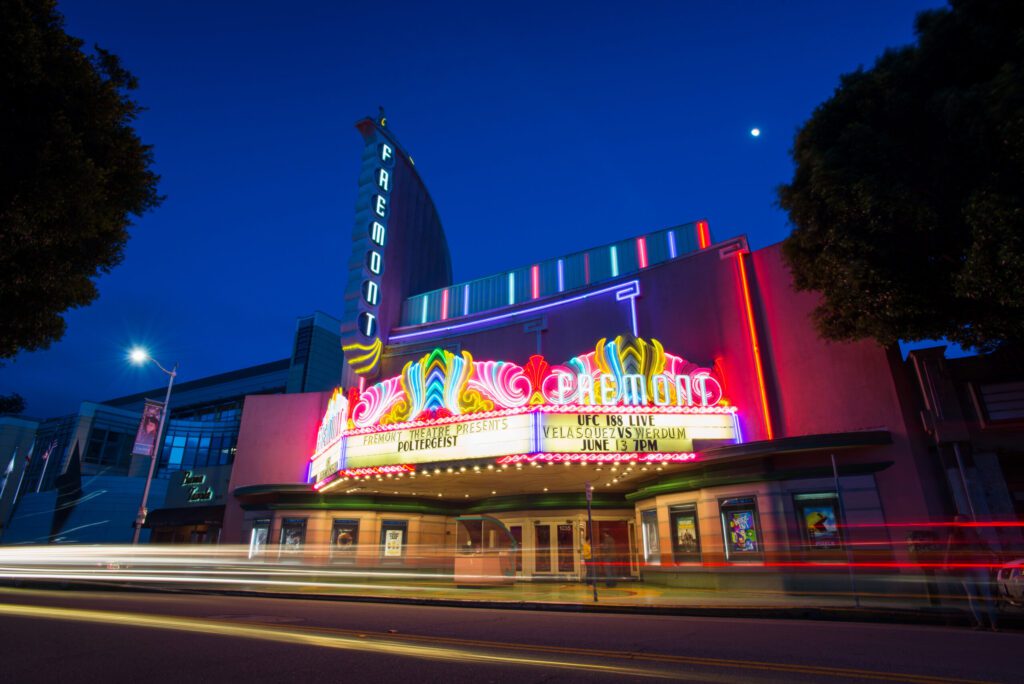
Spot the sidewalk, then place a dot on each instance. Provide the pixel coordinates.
(635, 597)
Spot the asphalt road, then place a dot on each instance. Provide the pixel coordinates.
(75, 636)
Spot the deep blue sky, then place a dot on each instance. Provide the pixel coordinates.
(538, 128)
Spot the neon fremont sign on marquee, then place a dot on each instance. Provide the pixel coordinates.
(628, 396)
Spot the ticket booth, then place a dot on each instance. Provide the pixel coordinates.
(485, 552)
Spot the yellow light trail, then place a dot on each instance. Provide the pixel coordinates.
(284, 635)
(466, 651)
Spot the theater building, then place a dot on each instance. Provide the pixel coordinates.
(677, 375)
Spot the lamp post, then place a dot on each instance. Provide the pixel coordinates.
(139, 356)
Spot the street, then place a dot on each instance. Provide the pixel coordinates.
(102, 636)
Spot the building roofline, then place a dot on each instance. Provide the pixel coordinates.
(208, 381)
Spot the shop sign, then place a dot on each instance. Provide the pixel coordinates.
(198, 489)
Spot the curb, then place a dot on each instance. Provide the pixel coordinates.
(944, 617)
(932, 616)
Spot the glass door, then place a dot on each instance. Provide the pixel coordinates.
(541, 547)
(517, 534)
(651, 541)
(634, 558)
(566, 548)
(554, 548)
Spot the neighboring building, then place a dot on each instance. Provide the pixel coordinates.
(680, 376)
(88, 455)
(16, 441)
(972, 409)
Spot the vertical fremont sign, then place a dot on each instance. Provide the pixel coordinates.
(378, 232)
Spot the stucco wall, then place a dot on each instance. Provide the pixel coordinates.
(275, 441)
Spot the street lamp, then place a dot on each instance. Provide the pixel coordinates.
(139, 356)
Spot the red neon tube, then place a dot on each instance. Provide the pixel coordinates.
(703, 236)
(754, 345)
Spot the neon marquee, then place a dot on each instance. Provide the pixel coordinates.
(626, 371)
(626, 400)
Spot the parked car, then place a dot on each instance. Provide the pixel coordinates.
(1010, 582)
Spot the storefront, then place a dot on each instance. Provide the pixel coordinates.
(655, 436)
(193, 510)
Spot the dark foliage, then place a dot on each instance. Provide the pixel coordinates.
(72, 171)
(12, 404)
(908, 195)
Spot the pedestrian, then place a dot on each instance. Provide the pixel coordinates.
(609, 558)
(969, 559)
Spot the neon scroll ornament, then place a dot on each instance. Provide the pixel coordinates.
(625, 372)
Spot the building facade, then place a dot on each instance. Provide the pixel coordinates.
(676, 375)
(972, 412)
(77, 480)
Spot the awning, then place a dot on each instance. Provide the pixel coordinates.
(192, 515)
(792, 445)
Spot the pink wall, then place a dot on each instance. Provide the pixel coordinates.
(820, 387)
(275, 441)
(695, 307)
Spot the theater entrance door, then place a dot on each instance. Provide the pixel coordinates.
(547, 548)
(555, 549)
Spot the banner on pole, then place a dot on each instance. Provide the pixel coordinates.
(149, 428)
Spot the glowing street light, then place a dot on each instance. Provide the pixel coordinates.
(139, 356)
(755, 132)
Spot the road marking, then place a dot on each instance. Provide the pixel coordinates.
(825, 670)
(454, 649)
(294, 635)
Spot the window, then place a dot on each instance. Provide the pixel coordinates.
(999, 402)
(685, 533)
(741, 529)
(109, 450)
(392, 539)
(204, 451)
(293, 535)
(92, 452)
(818, 518)
(344, 540)
(649, 530)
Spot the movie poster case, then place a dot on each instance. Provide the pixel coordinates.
(741, 528)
